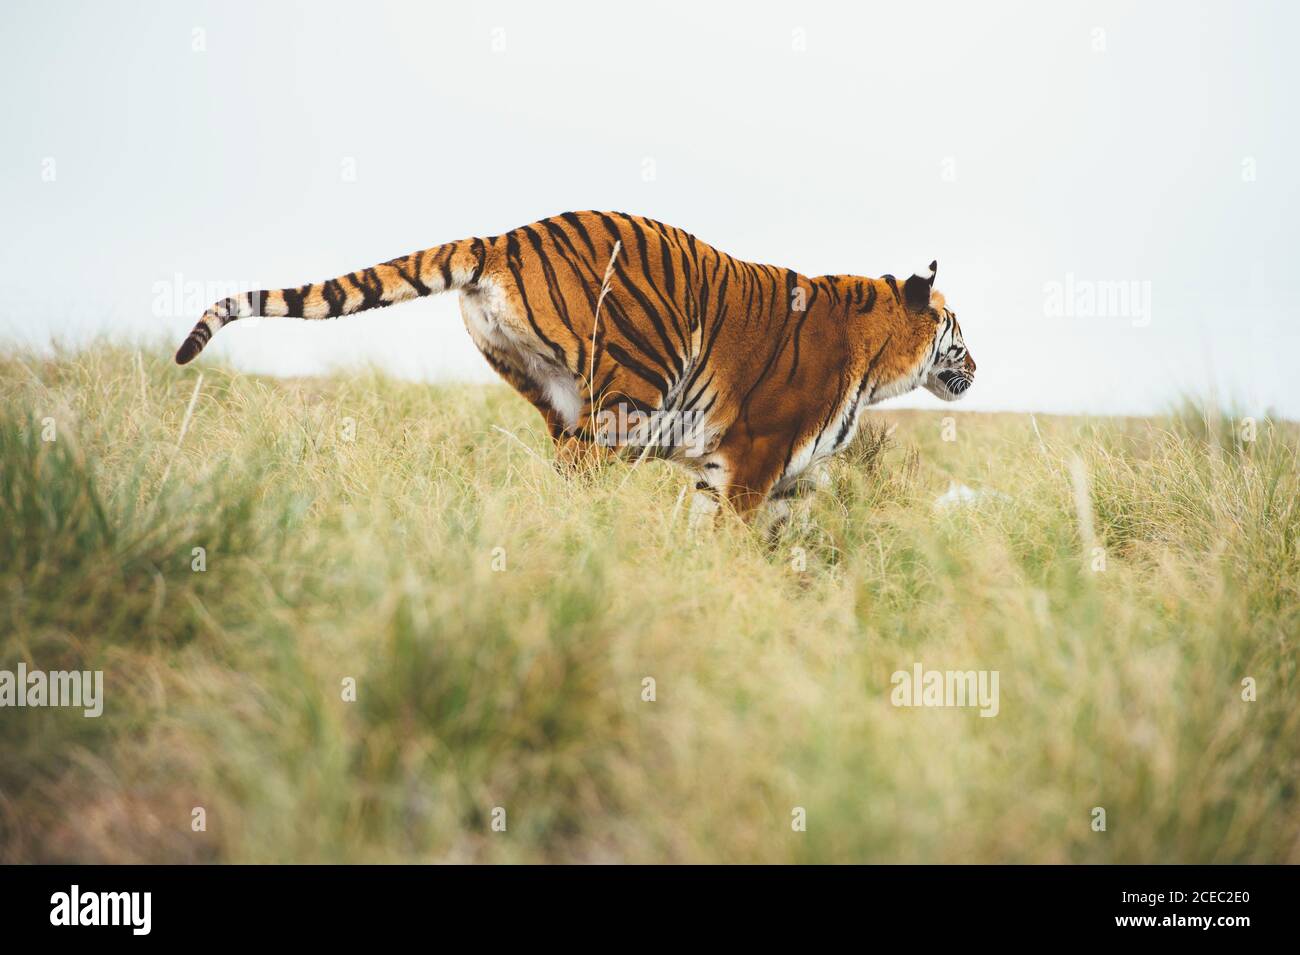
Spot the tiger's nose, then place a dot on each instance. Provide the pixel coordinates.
(969, 364)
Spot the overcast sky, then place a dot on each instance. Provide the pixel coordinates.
(1110, 189)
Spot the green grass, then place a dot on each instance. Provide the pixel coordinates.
(370, 556)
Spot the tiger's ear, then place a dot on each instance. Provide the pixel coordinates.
(916, 290)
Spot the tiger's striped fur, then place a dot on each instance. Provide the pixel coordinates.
(774, 368)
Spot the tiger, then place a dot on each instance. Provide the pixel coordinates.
(750, 376)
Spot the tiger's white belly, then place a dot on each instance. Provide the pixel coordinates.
(494, 329)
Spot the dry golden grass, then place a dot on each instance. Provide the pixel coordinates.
(369, 555)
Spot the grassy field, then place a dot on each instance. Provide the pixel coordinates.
(500, 621)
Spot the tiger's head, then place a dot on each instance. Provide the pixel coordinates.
(948, 368)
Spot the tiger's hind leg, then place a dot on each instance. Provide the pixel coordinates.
(583, 441)
(615, 418)
(574, 455)
(543, 382)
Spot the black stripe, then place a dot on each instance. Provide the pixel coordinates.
(371, 287)
(690, 292)
(479, 251)
(870, 302)
(335, 296)
(625, 360)
(778, 348)
(584, 282)
(866, 376)
(713, 398)
(830, 412)
(849, 418)
(556, 294)
(513, 264)
(632, 333)
(572, 219)
(411, 278)
(678, 347)
(798, 330)
(630, 330)
(588, 283)
(718, 321)
(295, 300)
(651, 312)
(445, 267)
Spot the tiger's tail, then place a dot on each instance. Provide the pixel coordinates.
(443, 268)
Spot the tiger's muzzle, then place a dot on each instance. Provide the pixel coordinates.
(951, 383)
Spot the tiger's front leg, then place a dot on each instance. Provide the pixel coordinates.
(752, 465)
(789, 497)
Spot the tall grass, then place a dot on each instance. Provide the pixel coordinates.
(499, 622)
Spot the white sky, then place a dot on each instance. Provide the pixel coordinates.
(995, 137)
